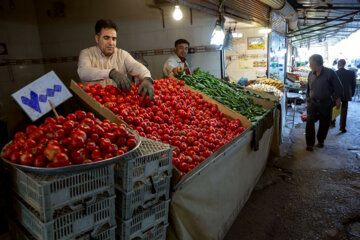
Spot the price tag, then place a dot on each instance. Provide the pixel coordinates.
(33, 98)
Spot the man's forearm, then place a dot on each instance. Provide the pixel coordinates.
(92, 74)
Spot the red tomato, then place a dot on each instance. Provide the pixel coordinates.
(40, 161)
(61, 120)
(27, 159)
(94, 137)
(97, 129)
(90, 115)
(71, 116)
(77, 141)
(59, 134)
(131, 143)
(78, 156)
(53, 143)
(85, 128)
(88, 121)
(119, 152)
(66, 141)
(80, 115)
(30, 129)
(68, 125)
(51, 151)
(90, 146)
(110, 136)
(29, 144)
(87, 161)
(112, 148)
(104, 143)
(61, 160)
(37, 135)
(15, 157)
(19, 135)
(96, 154)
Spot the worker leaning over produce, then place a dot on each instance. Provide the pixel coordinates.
(176, 63)
(106, 64)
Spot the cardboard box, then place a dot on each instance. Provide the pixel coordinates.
(94, 105)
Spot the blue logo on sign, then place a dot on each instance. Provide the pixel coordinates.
(33, 102)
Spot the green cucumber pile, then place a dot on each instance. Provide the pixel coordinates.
(226, 93)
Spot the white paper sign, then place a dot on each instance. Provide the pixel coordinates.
(33, 98)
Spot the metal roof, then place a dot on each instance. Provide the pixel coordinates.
(330, 22)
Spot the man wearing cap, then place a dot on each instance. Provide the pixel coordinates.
(177, 63)
(106, 64)
(323, 85)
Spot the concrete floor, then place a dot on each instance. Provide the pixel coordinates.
(307, 195)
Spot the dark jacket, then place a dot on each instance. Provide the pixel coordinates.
(348, 80)
(325, 87)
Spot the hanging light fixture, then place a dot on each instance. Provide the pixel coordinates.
(218, 35)
(236, 34)
(265, 30)
(177, 14)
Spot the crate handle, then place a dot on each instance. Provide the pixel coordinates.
(153, 190)
(84, 204)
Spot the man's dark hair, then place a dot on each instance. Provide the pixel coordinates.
(180, 41)
(316, 59)
(104, 23)
(342, 62)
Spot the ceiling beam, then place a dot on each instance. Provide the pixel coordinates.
(332, 8)
(327, 21)
(315, 35)
(316, 30)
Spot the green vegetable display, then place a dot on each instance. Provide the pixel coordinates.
(225, 93)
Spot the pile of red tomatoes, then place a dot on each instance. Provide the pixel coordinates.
(75, 139)
(176, 115)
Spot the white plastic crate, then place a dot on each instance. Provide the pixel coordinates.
(46, 193)
(143, 221)
(105, 232)
(142, 196)
(157, 232)
(68, 223)
(152, 158)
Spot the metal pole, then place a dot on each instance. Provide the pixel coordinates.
(318, 24)
(301, 11)
(339, 24)
(314, 35)
(222, 74)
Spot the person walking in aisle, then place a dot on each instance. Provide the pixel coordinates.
(323, 84)
(348, 80)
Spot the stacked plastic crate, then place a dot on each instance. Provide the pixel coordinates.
(78, 205)
(142, 186)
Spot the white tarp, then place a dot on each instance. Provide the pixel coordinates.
(206, 206)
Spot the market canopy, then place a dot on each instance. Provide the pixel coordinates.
(324, 21)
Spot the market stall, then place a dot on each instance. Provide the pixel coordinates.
(225, 144)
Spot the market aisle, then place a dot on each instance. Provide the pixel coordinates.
(307, 195)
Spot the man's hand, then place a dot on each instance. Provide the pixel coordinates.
(177, 70)
(121, 80)
(147, 88)
(338, 103)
